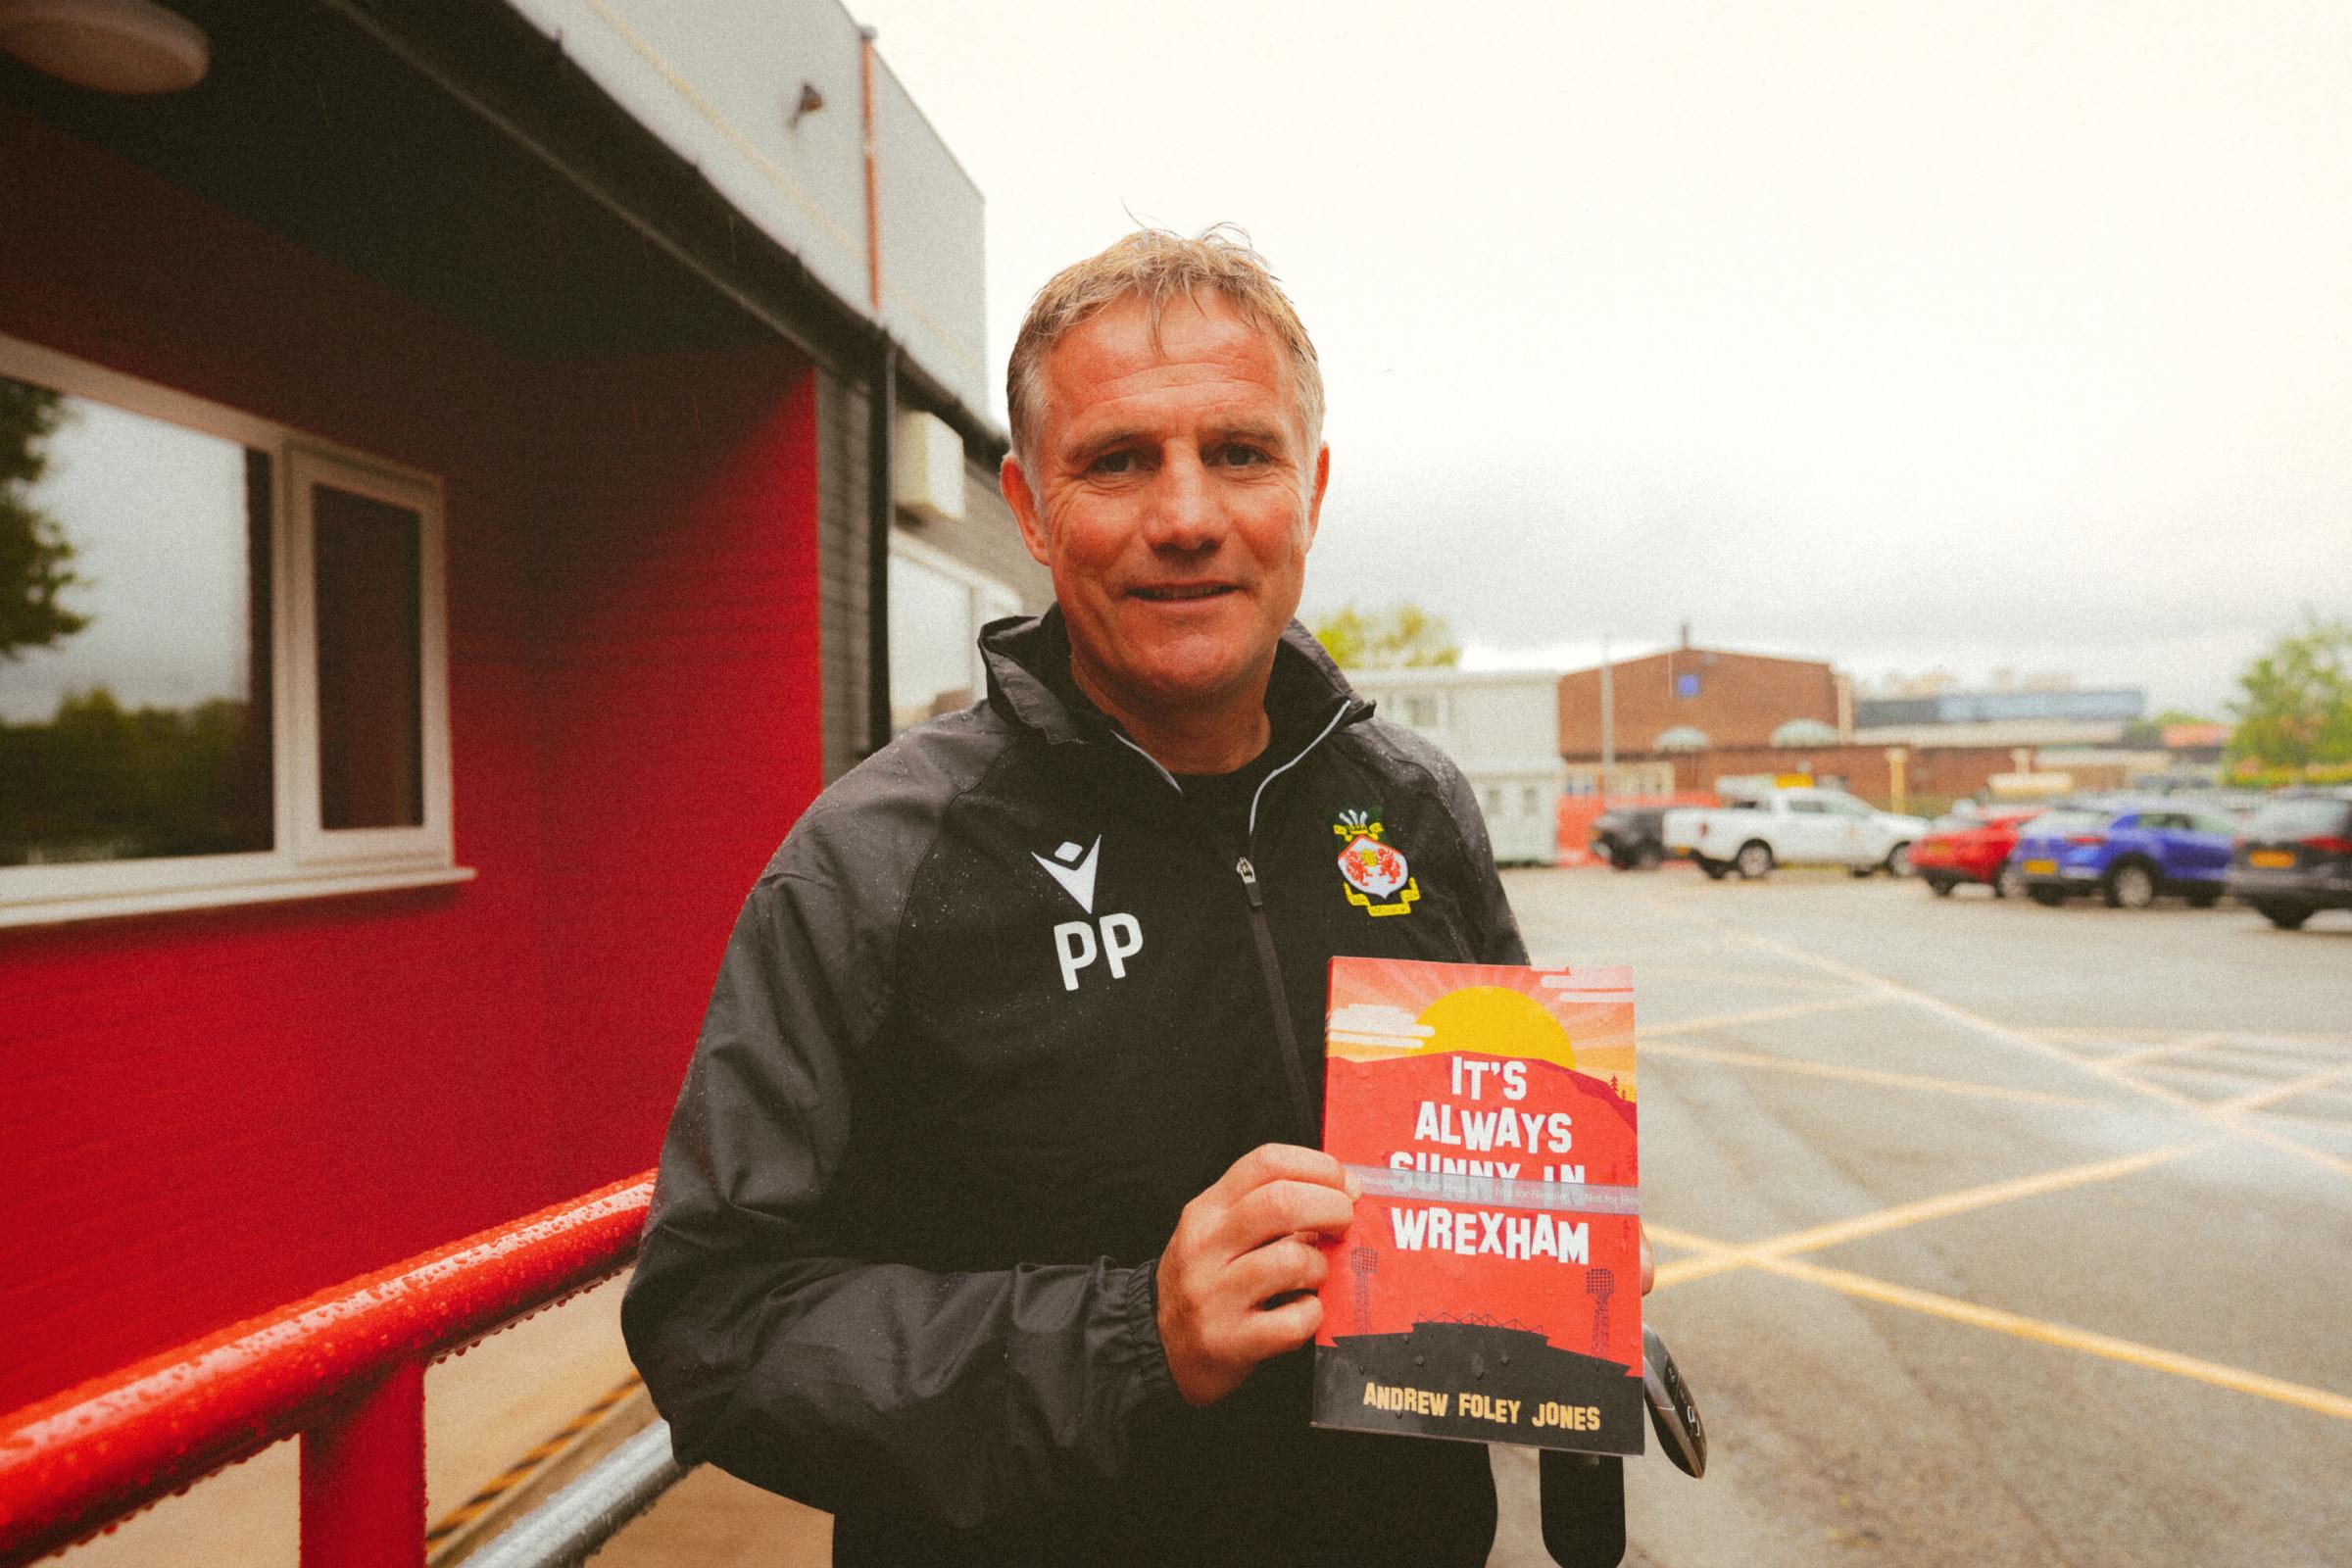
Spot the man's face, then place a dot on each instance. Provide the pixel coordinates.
(1174, 499)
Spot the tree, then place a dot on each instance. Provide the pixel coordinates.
(2297, 707)
(1402, 636)
(34, 553)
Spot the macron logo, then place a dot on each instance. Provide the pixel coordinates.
(1074, 870)
(1075, 945)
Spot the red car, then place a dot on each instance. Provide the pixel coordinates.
(1971, 849)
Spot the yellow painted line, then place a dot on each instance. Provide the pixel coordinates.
(1865, 1075)
(2322, 1401)
(1737, 977)
(1791, 1010)
(1969, 1198)
(2163, 1049)
(2230, 1121)
(2296, 1119)
(2286, 1090)
(1721, 1257)
(523, 1469)
(2293, 1145)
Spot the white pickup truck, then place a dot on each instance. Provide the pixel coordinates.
(1793, 826)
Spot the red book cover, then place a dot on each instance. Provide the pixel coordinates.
(1490, 1289)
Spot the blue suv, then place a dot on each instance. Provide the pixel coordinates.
(2128, 852)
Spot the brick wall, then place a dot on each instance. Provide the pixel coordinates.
(1940, 773)
(1741, 699)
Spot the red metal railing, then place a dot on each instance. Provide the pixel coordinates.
(344, 1369)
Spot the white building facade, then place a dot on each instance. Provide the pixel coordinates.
(1502, 729)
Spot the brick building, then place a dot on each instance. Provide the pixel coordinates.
(1731, 699)
(1689, 718)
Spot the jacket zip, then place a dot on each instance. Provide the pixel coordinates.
(1269, 962)
(1286, 1038)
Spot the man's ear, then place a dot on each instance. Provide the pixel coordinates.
(1314, 501)
(1023, 502)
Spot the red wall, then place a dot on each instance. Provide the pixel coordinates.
(206, 1114)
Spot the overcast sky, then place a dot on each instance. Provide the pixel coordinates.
(1972, 335)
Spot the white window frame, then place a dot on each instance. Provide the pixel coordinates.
(990, 598)
(306, 860)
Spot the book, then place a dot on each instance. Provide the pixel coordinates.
(1489, 1288)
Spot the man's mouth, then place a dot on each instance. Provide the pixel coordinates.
(1178, 593)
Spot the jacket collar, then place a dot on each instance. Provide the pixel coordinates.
(1028, 663)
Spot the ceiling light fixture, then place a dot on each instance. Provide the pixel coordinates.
(119, 46)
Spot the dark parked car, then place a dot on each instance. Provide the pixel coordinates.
(2128, 852)
(2296, 858)
(1627, 837)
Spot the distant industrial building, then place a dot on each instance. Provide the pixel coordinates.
(2052, 717)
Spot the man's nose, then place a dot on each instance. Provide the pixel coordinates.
(1184, 514)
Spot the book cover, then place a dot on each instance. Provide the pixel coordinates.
(1490, 1289)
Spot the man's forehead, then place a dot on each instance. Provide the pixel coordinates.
(1201, 352)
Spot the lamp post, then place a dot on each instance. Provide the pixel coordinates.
(1608, 723)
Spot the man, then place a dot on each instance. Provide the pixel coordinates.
(988, 1216)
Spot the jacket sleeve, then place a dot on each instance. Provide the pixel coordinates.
(842, 1381)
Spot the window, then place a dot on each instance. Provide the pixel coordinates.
(1531, 800)
(1422, 709)
(937, 608)
(222, 666)
(1685, 684)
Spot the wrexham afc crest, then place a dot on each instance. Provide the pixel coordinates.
(1379, 882)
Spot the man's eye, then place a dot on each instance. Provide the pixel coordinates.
(1237, 456)
(1113, 463)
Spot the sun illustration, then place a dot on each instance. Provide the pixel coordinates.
(1497, 1022)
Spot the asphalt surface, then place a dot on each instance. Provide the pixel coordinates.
(1988, 1233)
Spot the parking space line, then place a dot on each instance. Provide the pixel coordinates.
(2286, 1090)
(2292, 1145)
(2324, 1401)
(1724, 1256)
(1786, 1010)
(1997, 1030)
(2087, 1341)
(2296, 1119)
(1866, 1075)
(1646, 971)
(2164, 1049)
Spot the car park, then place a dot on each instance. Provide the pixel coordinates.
(1971, 847)
(1629, 837)
(2129, 853)
(2295, 858)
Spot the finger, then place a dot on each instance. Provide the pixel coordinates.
(1649, 1268)
(1289, 1265)
(1276, 1330)
(1281, 1208)
(1272, 1162)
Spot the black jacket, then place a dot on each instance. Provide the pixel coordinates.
(1005, 1000)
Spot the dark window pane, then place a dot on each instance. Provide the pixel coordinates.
(370, 661)
(134, 635)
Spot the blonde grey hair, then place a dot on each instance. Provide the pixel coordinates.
(1157, 267)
